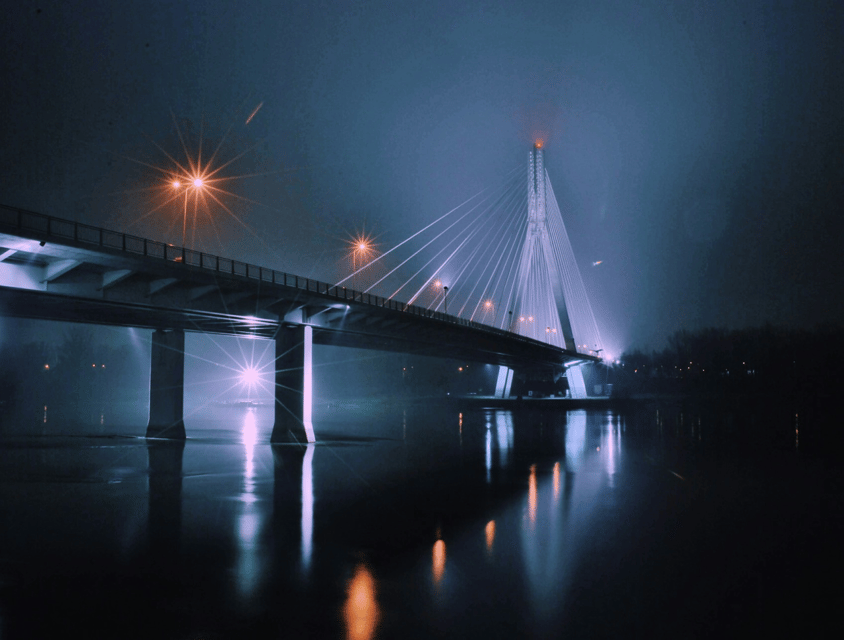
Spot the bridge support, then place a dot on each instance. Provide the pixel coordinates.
(167, 385)
(504, 382)
(577, 386)
(293, 384)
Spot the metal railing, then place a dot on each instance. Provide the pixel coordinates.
(48, 227)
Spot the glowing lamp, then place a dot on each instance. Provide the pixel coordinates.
(197, 183)
(250, 376)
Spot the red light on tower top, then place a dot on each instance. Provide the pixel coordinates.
(538, 144)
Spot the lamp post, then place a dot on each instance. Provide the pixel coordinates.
(177, 184)
(445, 299)
(489, 305)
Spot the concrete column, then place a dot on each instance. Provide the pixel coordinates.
(504, 382)
(576, 384)
(167, 385)
(293, 384)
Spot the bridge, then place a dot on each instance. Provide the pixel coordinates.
(58, 269)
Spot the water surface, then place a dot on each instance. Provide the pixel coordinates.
(425, 521)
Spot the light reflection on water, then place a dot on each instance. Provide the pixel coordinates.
(250, 519)
(360, 611)
(575, 438)
(307, 507)
(488, 452)
(546, 498)
(438, 561)
(504, 427)
(489, 531)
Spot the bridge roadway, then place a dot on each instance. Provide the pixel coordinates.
(58, 269)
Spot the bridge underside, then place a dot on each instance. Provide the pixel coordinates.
(60, 270)
(336, 327)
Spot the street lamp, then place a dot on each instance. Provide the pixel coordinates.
(177, 184)
(445, 299)
(197, 183)
(362, 248)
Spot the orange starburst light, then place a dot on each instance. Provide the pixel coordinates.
(195, 190)
(361, 251)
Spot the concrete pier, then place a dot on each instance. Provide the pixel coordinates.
(504, 382)
(293, 384)
(167, 385)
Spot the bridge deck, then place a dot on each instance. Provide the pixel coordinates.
(63, 270)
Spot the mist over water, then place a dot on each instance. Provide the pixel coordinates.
(426, 519)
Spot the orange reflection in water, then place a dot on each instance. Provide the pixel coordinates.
(438, 566)
(556, 481)
(532, 494)
(361, 609)
(490, 535)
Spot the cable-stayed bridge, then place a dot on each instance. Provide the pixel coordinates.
(502, 260)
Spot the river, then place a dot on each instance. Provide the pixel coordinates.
(683, 519)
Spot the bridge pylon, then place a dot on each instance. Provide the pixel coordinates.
(548, 281)
(541, 304)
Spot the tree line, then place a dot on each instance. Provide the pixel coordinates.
(767, 359)
(78, 380)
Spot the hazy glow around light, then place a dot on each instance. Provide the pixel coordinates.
(250, 376)
(490, 535)
(198, 182)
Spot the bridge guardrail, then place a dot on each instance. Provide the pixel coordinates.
(82, 233)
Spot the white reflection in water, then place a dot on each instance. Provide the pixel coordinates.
(488, 452)
(611, 448)
(558, 511)
(504, 430)
(609, 451)
(543, 535)
(249, 436)
(307, 507)
(575, 439)
(249, 521)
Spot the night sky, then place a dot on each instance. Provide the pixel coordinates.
(695, 147)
